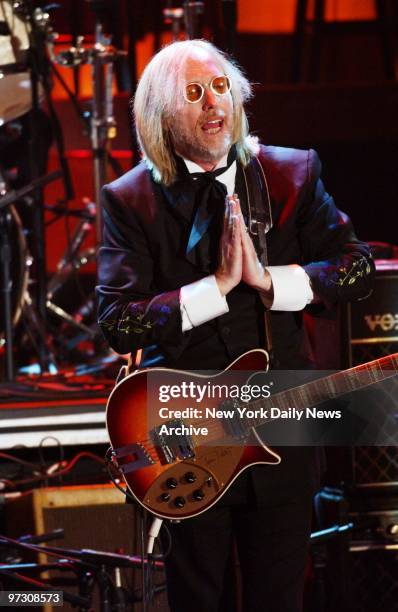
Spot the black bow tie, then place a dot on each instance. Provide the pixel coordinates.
(210, 197)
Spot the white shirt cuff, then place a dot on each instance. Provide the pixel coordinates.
(291, 285)
(200, 302)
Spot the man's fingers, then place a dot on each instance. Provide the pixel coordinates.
(231, 218)
(238, 211)
(247, 242)
(232, 211)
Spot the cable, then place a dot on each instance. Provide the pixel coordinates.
(61, 472)
(60, 462)
(163, 555)
(153, 534)
(157, 523)
(148, 586)
(109, 463)
(4, 482)
(34, 466)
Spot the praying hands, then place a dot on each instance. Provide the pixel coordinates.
(238, 257)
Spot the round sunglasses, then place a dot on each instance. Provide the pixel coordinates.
(219, 85)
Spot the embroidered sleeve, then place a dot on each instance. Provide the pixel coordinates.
(131, 313)
(339, 265)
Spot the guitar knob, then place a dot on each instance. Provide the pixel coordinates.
(179, 502)
(171, 483)
(165, 497)
(198, 495)
(190, 477)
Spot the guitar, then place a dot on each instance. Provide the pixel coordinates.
(181, 474)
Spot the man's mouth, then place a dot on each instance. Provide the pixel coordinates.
(213, 126)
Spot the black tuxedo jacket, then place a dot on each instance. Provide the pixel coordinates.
(142, 266)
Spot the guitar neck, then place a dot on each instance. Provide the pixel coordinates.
(329, 387)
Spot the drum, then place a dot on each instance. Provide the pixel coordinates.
(19, 270)
(15, 96)
(15, 85)
(14, 39)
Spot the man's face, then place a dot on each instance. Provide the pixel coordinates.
(202, 131)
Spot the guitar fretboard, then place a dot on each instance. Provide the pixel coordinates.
(329, 387)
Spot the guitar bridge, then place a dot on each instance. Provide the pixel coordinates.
(134, 457)
(173, 441)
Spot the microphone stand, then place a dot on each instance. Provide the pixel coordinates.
(91, 566)
(103, 124)
(230, 18)
(192, 12)
(6, 285)
(65, 562)
(320, 557)
(173, 15)
(74, 600)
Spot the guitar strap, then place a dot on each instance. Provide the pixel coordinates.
(259, 222)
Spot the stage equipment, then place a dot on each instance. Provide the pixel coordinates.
(101, 121)
(40, 76)
(326, 544)
(34, 84)
(7, 216)
(192, 17)
(373, 570)
(15, 276)
(15, 84)
(358, 573)
(94, 518)
(24, 84)
(371, 331)
(173, 15)
(230, 19)
(15, 100)
(73, 260)
(372, 324)
(53, 411)
(82, 512)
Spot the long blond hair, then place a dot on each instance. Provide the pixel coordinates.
(159, 95)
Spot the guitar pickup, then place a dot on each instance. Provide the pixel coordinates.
(234, 426)
(134, 457)
(173, 441)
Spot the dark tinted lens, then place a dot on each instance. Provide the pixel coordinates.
(220, 85)
(193, 92)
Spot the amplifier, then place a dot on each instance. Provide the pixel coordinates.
(373, 577)
(372, 324)
(375, 465)
(380, 526)
(371, 330)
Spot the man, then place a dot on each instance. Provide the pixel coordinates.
(180, 278)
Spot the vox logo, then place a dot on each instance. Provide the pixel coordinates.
(385, 322)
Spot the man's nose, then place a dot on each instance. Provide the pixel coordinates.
(209, 99)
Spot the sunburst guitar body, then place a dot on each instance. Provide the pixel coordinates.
(179, 481)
